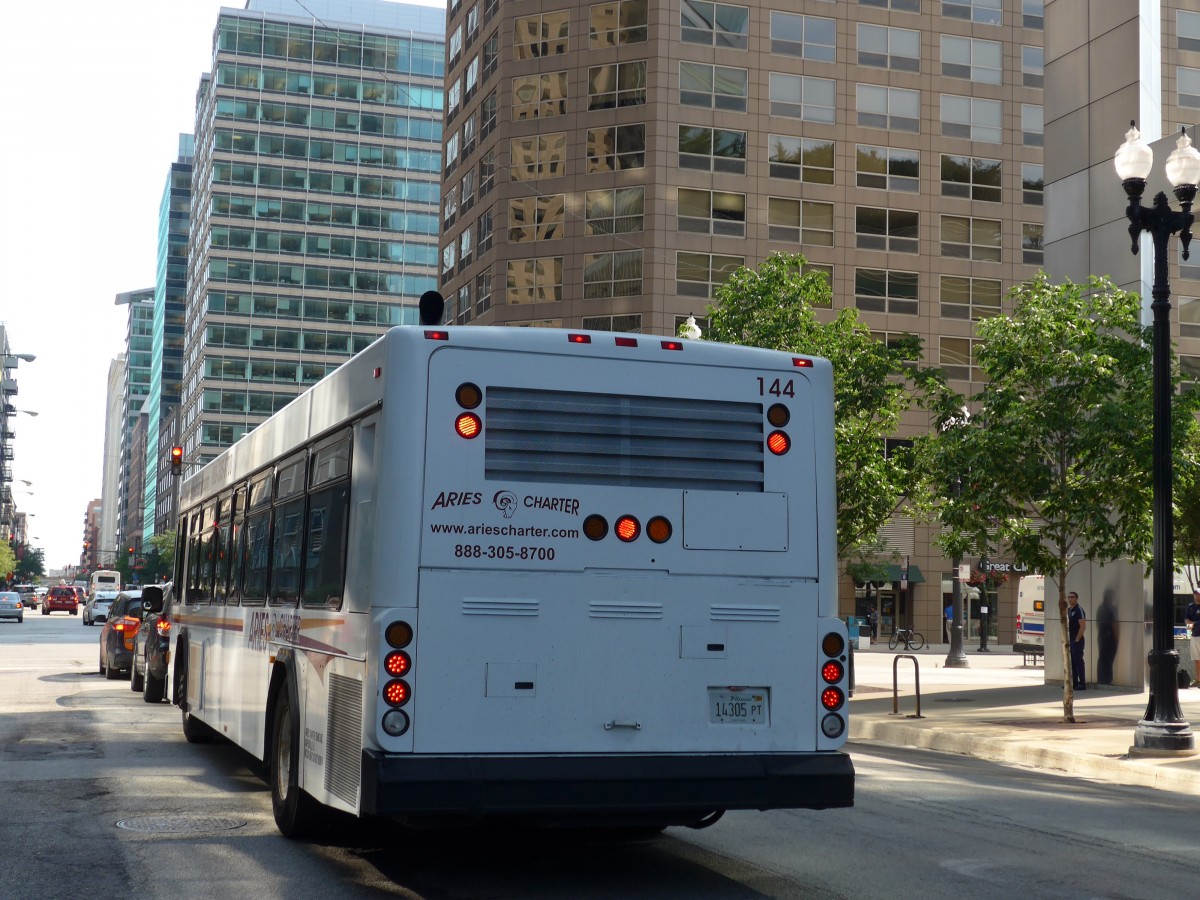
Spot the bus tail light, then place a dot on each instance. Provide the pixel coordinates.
(468, 425)
(831, 685)
(397, 665)
(832, 698)
(779, 443)
(627, 529)
(833, 671)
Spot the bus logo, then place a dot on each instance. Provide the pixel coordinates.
(506, 502)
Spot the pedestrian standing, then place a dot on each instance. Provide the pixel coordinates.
(949, 620)
(1192, 617)
(1075, 625)
(873, 622)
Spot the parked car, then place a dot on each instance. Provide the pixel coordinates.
(151, 644)
(60, 598)
(80, 594)
(117, 635)
(97, 606)
(12, 606)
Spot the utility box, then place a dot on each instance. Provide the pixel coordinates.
(1116, 608)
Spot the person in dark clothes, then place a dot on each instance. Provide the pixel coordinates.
(1075, 625)
(1106, 637)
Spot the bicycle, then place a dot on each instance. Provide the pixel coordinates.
(912, 640)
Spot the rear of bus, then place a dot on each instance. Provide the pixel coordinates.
(626, 596)
(1030, 636)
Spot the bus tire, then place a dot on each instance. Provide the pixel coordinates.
(195, 731)
(296, 813)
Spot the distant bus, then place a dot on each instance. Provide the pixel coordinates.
(104, 580)
(576, 578)
(1031, 615)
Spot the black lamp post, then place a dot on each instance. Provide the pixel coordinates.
(1163, 728)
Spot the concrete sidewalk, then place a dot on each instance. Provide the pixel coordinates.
(1000, 709)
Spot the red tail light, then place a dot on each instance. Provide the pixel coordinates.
(627, 528)
(163, 626)
(832, 671)
(832, 698)
(778, 442)
(468, 425)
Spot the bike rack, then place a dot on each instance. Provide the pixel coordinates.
(896, 684)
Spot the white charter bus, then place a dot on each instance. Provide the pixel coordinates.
(526, 574)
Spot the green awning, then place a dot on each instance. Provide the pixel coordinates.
(914, 574)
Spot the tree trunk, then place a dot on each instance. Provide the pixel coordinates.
(1068, 677)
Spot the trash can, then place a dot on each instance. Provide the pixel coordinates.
(858, 631)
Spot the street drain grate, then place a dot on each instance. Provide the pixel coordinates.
(179, 824)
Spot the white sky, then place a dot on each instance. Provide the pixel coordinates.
(97, 93)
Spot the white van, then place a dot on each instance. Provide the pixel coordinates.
(104, 580)
(1031, 615)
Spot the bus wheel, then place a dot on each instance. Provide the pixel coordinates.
(195, 731)
(296, 813)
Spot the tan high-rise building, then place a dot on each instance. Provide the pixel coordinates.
(608, 164)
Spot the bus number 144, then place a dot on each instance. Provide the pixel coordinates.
(777, 388)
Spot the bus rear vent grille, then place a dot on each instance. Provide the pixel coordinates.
(572, 437)
(343, 756)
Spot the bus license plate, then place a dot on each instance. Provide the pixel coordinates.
(738, 707)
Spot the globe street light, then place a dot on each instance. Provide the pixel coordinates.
(1163, 729)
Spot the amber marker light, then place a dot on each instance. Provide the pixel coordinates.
(595, 527)
(833, 644)
(778, 415)
(627, 529)
(468, 395)
(779, 443)
(468, 425)
(398, 635)
(658, 530)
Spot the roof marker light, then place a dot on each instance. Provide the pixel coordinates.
(579, 338)
(801, 363)
(626, 342)
(437, 335)
(672, 345)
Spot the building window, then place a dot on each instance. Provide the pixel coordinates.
(616, 147)
(453, 97)
(541, 35)
(1033, 66)
(1187, 30)
(712, 212)
(463, 311)
(607, 275)
(617, 23)
(464, 247)
(1033, 180)
(712, 149)
(630, 324)
(1033, 124)
(892, 108)
(452, 144)
(800, 221)
(967, 238)
(885, 291)
(714, 24)
(483, 231)
(539, 156)
(536, 218)
(888, 169)
(539, 96)
(969, 298)
(974, 179)
(977, 120)
(537, 280)
(718, 87)
(981, 12)
(456, 43)
(491, 55)
(898, 5)
(483, 292)
(1187, 85)
(808, 37)
(1031, 244)
(803, 97)
(971, 58)
(449, 255)
(889, 48)
(450, 205)
(897, 230)
(1033, 14)
(487, 173)
(700, 274)
(472, 22)
(619, 84)
(616, 211)
(800, 159)
(487, 115)
(956, 356)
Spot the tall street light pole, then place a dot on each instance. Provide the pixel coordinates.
(1163, 729)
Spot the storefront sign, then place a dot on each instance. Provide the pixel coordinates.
(986, 565)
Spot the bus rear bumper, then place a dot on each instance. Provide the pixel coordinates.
(675, 789)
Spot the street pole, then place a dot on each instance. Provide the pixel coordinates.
(956, 658)
(984, 613)
(1163, 729)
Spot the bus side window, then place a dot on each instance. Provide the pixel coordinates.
(236, 550)
(288, 534)
(327, 525)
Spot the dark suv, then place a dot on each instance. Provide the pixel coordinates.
(116, 638)
(61, 597)
(151, 644)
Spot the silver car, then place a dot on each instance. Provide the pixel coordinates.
(97, 607)
(11, 606)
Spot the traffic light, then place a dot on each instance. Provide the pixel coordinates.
(176, 460)
(131, 551)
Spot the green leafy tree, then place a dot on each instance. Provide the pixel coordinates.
(1055, 457)
(160, 556)
(30, 563)
(1187, 514)
(775, 307)
(8, 561)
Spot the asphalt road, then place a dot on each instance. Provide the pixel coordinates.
(102, 797)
